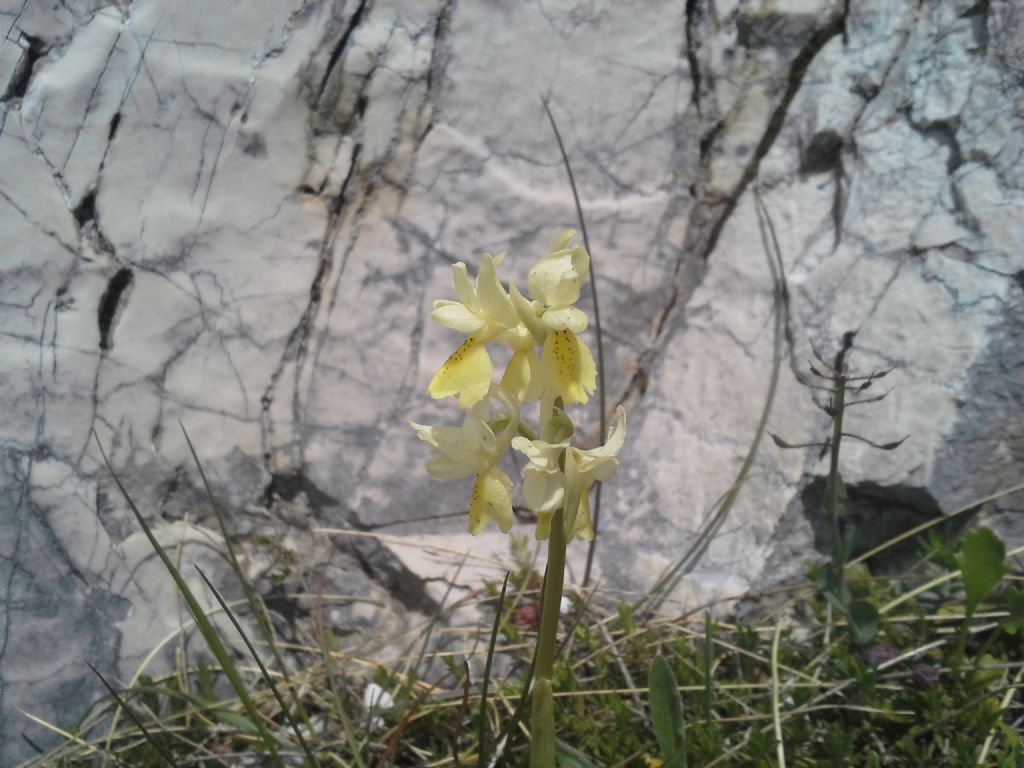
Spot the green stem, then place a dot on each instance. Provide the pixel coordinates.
(833, 472)
(551, 601)
(525, 431)
(542, 721)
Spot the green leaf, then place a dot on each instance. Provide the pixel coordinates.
(570, 757)
(626, 619)
(982, 564)
(239, 721)
(495, 628)
(833, 586)
(864, 621)
(847, 544)
(1013, 623)
(666, 709)
(708, 661)
(207, 691)
(986, 674)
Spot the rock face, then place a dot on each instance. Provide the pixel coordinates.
(236, 215)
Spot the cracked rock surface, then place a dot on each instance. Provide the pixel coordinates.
(236, 215)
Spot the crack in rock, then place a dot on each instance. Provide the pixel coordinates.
(878, 513)
(112, 305)
(17, 86)
(709, 215)
(339, 50)
(797, 71)
(92, 239)
(693, 15)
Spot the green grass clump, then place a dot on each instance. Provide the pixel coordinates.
(937, 685)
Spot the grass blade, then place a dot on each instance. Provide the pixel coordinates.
(570, 757)
(517, 715)
(164, 755)
(263, 670)
(256, 604)
(708, 660)
(482, 746)
(203, 623)
(780, 747)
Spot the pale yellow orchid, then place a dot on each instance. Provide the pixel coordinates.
(543, 483)
(475, 449)
(555, 281)
(567, 366)
(546, 487)
(483, 312)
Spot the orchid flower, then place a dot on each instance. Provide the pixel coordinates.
(482, 312)
(566, 363)
(546, 487)
(475, 449)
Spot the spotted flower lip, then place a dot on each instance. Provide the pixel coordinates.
(523, 377)
(568, 368)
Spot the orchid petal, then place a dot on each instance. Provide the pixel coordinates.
(565, 319)
(544, 455)
(563, 239)
(493, 301)
(448, 468)
(458, 317)
(583, 526)
(522, 376)
(477, 435)
(616, 436)
(463, 288)
(543, 491)
(601, 463)
(528, 314)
